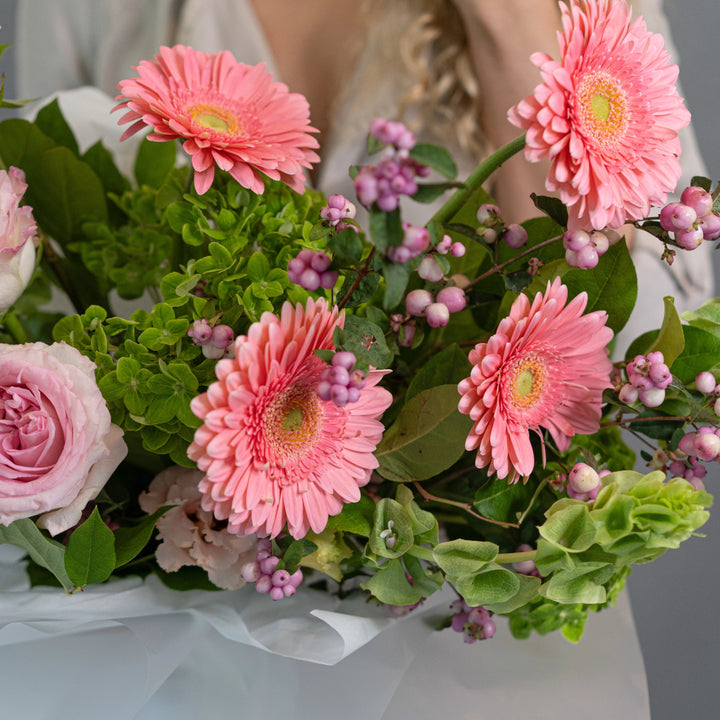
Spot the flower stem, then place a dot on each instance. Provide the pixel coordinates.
(509, 558)
(478, 176)
(14, 328)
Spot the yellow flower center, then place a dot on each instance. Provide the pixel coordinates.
(603, 108)
(292, 420)
(215, 118)
(527, 381)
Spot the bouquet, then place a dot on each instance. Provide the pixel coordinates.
(309, 395)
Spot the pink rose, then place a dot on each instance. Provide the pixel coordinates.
(57, 444)
(18, 237)
(191, 535)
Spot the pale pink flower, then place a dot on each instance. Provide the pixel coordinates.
(230, 114)
(545, 367)
(272, 451)
(190, 535)
(18, 238)
(607, 115)
(58, 447)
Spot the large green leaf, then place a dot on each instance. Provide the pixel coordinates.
(447, 367)
(427, 437)
(130, 540)
(670, 340)
(90, 554)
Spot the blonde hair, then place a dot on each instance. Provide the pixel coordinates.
(416, 67)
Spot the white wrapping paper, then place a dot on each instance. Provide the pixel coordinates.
(134, 649)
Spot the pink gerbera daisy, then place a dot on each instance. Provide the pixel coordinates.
(231, 115)
(272, 451)
(607, 116)
(545, 367)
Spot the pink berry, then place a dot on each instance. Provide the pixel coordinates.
(689, 239)
(337, 375)
(276, 593)
(487, 214)
(437, 315)
(699, 199)
(687, 443)
(660, 374)
(280, 578)
(583, 478)
(515, 236)
(677, 468)
(705, 382)
(600, 241)
(339, 395)
(310, 279)
(576, 240)
(710, 225)
(320, 262)
(324, 389)
(345, 359)
(353, 394)
(677, 217)
(453, 298)
(417, 302)
(653, 397)
(457, 249)
(707, 446)
(628, 394)
(430, 269)
(263, 584)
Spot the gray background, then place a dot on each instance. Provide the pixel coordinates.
(673, 599)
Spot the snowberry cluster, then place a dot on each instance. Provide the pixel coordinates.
(340, 382)
(214, 340)
(337, 210)
(474, 623)
(311, 270)
(268, 579)
(648, 378)
(415, 242)
(404, 326)
(395, 175)
(583, 250)
(702, 445)
(420, 303)
(691, 220)
(705, 383)
(492, 227)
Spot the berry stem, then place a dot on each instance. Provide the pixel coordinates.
(478, 176)
(464, 506)
(509, 558)
(361, 274)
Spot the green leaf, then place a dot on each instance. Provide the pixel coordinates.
(47, 553)
(611, 286)
(427, 437)
(392, 520)
(429, 192)
(390, 585)
(569, 526)
(367, 341)
(435, 157)
(385, 228)
(154, 162)
(499, 500)
(494, 584)
(90, 554)
(552, 207)
(356, 517)
(582, 584)
(527, 591)
(671, 340)
(447, 367)
(464, 557)
(346, 244)
(396, 279)
(130, 540)
(701, 352)
(51, 121)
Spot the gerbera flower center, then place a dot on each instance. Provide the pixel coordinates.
(527, 381)
(213, 117)
(292, 421)
(603, 109)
